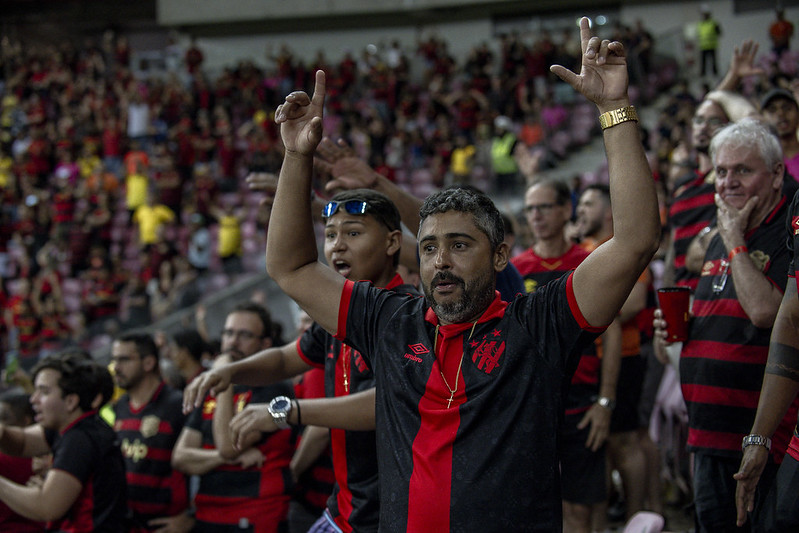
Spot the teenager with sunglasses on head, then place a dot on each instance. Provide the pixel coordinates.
(362, 242)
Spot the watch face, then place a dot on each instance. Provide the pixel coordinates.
(280, 404)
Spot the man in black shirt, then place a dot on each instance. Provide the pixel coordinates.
(470, 388)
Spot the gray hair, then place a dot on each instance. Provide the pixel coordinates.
(467, 199)
(748, 132)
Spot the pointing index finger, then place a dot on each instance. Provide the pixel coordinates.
(585, 33)
(319, 89)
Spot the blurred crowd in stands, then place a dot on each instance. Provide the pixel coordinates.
(124, 198)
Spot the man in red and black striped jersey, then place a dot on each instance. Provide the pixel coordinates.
(243, 485)
(780, 388)
(148, 421)
(734, 307)
(691, 207)
(85, 489)
(362, 242)
(470, 388)
(588, 406)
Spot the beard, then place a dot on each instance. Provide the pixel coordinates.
(474, 300)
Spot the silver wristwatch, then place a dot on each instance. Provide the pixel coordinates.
(279, 408)
(758, 440)
(607, 403)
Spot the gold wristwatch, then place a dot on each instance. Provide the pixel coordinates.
(617, 116)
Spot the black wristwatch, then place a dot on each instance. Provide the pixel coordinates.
(279, 408)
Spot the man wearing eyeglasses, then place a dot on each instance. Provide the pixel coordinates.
(362, 242)
(148, 420)
(469, 391)
(589, 403)
(691, 208)
(244, 484)
(735, 304)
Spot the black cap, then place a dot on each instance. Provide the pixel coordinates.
(777, 93)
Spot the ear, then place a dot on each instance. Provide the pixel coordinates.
(266, 342)
(149, 363)
(778, 175)
(72, 401)
(501, 257)
(393, 242)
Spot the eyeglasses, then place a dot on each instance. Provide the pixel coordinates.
(243, 334)
(711, 122)
(353, 207)
(541, 208)
(721, 282)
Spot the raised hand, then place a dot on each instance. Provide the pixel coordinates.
(347, 169)
(300, 118)
(603, 74)
(743, 60)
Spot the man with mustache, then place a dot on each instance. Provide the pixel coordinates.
(470, 388)
(241, 485)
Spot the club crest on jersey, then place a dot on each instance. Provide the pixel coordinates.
(488, 352)
(149, 426)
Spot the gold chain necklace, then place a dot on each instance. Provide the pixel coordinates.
(460, 364)
(346, 369)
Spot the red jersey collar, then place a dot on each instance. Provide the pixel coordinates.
(396, 281)
(72, 424)
(769, 218)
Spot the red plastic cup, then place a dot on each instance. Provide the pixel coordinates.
(675, 305)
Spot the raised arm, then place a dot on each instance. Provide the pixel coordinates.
(603, 281)
(291, 253)
(741, 66)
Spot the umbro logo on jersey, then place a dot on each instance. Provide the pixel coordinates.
(795, 225)
(413, 358)
(419, 348)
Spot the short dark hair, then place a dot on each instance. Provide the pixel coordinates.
(467, 199)
(562, 191)
(601, 188)
(192, 341)
(380, 207)
(263, 315)
(78, 376)
(145, 345)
